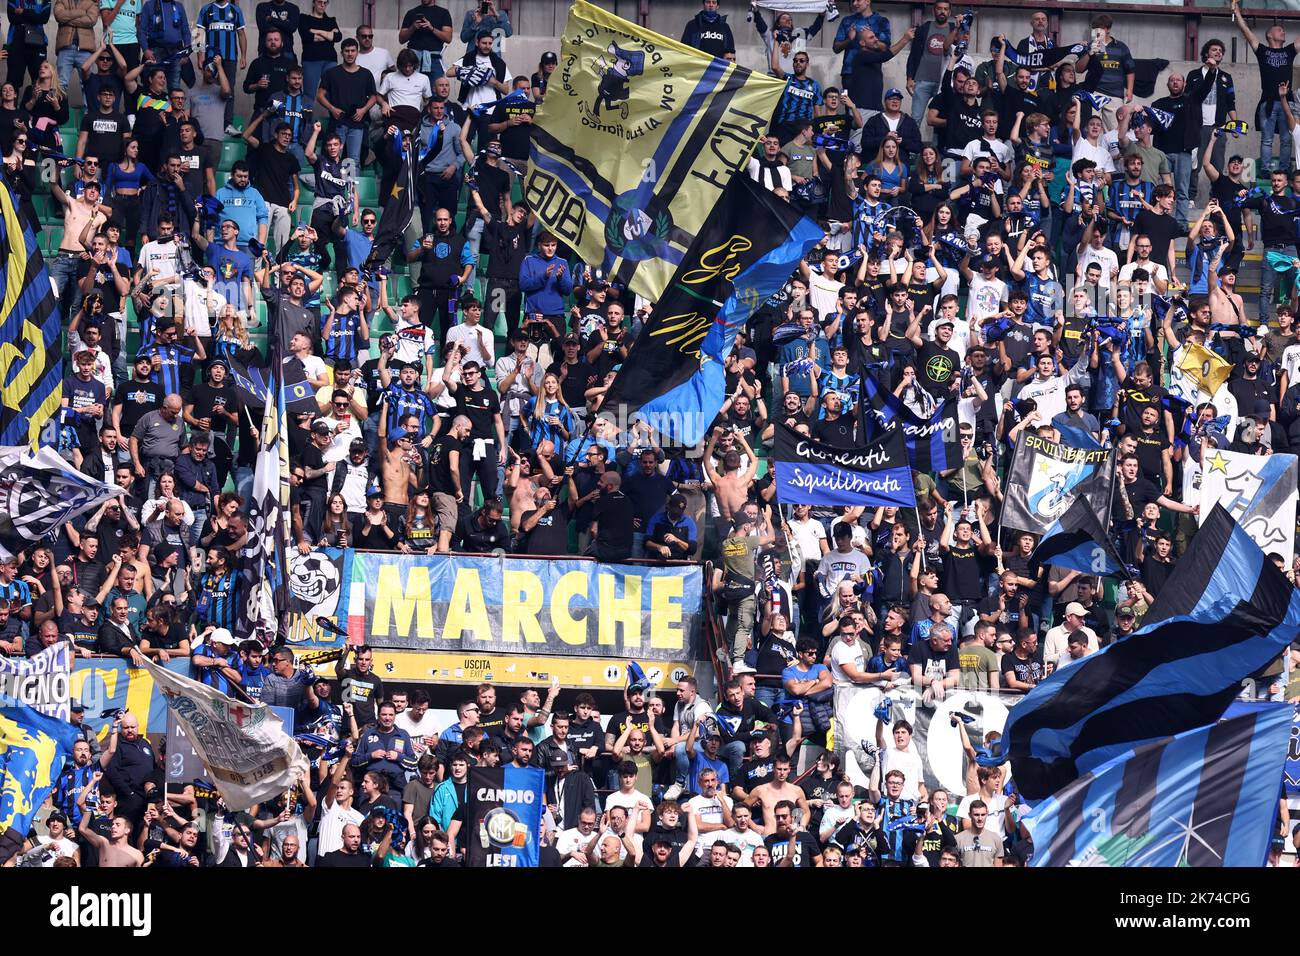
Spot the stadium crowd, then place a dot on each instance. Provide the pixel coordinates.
(1019, 236)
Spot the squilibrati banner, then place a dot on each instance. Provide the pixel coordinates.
(674, 376)
(876, 475)
(1047, 477)
(636, 141)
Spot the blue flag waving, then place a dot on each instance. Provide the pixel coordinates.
(33, 750)
(1225, 613)
(933, 444)
(1207, 797)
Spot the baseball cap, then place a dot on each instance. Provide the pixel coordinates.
(549, 57)
(375, 492)
(357, 444)
(1077, 609)
(1125, 612)
(557, 760)
(222, 636)
(942, 321)
(1261, 408)
(572, 340)
(77, 706)
(320, 428)
(893, 93)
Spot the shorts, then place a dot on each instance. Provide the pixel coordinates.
(444, 506)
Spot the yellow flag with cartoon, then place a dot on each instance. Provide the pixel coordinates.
(635, 142)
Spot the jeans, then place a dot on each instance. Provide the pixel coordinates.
(1269, 121)
(1268, 288)
(734, 753)
(63, 270)
(68, 58)
(196, 529)
(921, 100)
(740, 626)
(311, 74)
(683, 763)
(475, 237)
(354, 138)
(1181, 166)
(370, 432)
(767, 695)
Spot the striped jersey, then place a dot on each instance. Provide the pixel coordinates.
(176, 372)
(798, 100)
(400, 402)
(217, 602)
(341, 346)
(221, 23)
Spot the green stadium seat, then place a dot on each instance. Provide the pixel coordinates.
(399, 286)
(231, 152)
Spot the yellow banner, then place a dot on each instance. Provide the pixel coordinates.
(587, 673)
(1207, 369)
(637, 138)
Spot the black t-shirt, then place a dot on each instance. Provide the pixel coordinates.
(551, 534)
(1009, 616)
(610, 354)
(273, 172)
(105, 133)
(493, 182)
(1140, 493)
(614, 514)
(934, 664)
(340, 860)
(105, 286)
(837, 434)
(312, 457)
(805, 849)
(935, 367)
(1029, 672)
(440, 474)
(581, 376)
(1150, 454)
(621, 719)
(207, 400)
(423, 39)
(754, 772)
(1163, 230)
(961, 574)
(481, 408)
(775, 654)
(363, 692)
(348, 91)
(1275, 67)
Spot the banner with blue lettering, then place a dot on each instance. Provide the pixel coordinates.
(505, 816)
(809, 472)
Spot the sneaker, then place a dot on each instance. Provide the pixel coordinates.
(673, 792)
(232, 130)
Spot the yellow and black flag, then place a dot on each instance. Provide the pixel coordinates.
(637, 139)
(31, 372)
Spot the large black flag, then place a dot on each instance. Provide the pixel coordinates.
(1225, 613)
(744, 252)
(398, 207)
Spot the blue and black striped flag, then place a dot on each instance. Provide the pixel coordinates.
(1207, 797)
(1078, 540)
(1225, 613)
(933, 444)
(32, 375)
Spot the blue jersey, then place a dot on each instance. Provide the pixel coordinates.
(541, 430)
(1046, 297)
(177, 366)
(798, 100)
(221, 23)
(889, 813)
(212, 676)
(867, 220)
(17, 594)
(401, 403)
(341, 346)
(232, 268)
(297, 112)
(218, 600)
(72, 781)
(846, 386)
(254, 678)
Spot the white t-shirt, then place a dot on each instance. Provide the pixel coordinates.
(842, 654)
(332, 821)
(313, 366)
(163, 256)
(809, 535)
(202, 307)
(413, 342)
(569, 840)
(834, 817)
(985, 298)
(909, 762)
(376, 61)
(627, 801)
(427, 726)
(402, 90)
(780, 176)
(1154, 269)
(338, 446)
(708, 810)
(1290, 363)
(475, 351)
(746, 841)
(997, 817)
(62, 847)
(823, 293)
(1098, 154)
(1104, 257)
(484, 93)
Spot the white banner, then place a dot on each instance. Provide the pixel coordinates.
(245, 748)
(42, 681)
(796, 6)
(1258, 491)
(936, 738)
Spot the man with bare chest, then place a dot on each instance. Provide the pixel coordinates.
(780, 788)
(731, 486)
(115, 850)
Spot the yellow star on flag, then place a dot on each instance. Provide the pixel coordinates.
(1219, 463)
